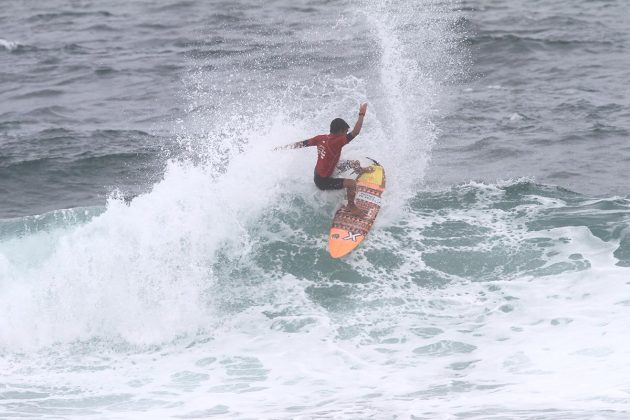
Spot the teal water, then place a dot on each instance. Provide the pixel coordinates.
(504, 293)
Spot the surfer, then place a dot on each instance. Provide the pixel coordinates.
(328, 153)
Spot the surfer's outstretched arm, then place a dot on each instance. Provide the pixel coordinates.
(357, 126)
(296, 145)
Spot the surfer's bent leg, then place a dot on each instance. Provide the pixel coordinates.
(351, 186)
(328, 183)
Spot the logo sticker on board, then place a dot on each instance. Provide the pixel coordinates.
(370, 198)
(351, 236)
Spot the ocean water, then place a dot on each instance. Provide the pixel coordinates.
(158, 260)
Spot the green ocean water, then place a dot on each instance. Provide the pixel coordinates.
(467, 291)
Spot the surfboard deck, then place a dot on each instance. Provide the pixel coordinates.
(349, 230)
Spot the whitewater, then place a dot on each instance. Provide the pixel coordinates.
(159, 260)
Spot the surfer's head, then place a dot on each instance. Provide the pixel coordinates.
(339, 126)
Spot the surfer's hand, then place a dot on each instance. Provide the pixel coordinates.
(367, 170)
(363, 108)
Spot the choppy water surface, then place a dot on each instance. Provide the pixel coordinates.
(546, 97)
(157, 260)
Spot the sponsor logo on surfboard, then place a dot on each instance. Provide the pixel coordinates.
(352, 237)
(370, 198)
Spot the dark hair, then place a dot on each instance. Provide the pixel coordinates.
(338, 125)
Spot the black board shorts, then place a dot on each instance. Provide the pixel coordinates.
(328, 183)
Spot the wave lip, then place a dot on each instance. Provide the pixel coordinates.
(20, 227)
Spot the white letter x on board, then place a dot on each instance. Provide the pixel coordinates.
(351, 237)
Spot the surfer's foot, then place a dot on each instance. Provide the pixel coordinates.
(355, 211)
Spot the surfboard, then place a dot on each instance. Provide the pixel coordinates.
(348, 230)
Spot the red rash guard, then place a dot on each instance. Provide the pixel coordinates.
(328, 151)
